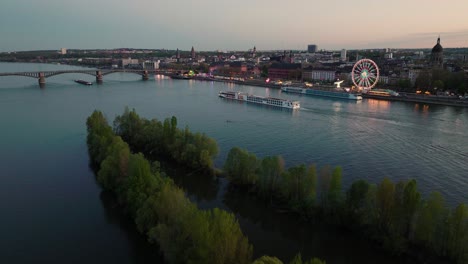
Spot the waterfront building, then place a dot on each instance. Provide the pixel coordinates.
(383, 79)
(150, 65)
(312, 48)
(413, 74)
(283, 71)
(63, 51)
(319, 74)
(128, 61)
(437, 55)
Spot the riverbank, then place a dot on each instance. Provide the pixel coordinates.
(414, 98)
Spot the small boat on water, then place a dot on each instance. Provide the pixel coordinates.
(278, 102)
(83, 82)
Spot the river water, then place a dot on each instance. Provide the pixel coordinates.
(53, 211)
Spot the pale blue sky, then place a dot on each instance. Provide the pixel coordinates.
(231, 25)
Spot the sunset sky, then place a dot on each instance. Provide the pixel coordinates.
(231, 25)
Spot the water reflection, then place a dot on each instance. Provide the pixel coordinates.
(284, 235)
(377, 105)
(140, 250)
(202, 186)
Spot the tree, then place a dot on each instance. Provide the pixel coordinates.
(335, 191)
(324, 185)
(267, 260)
(458, 234)
(438, 85)
(271, 170)
(114, 168)
(404, 84)
(431, 221)
(385, 203)
(356, 200)
(423, 81)
(240, 166)
(411, 202)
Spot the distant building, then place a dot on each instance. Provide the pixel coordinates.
(437, 55)
(413, 74)
(319, 74)
(284, 71)
(63, 51)
(343, 55)
(312, 48)
(192, 53)
(129, 61)
(150, 65)
(388, 55)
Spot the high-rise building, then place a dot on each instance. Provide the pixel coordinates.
(63, 51)
(312, 48)
(343, 55)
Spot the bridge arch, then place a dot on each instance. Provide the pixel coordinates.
(51, 74)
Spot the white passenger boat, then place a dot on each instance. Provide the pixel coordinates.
(260, 99)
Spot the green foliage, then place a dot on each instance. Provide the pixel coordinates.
(267, 260)
(241, 166)
(271, 170)
(458, 234)
(184, 233)
(404, 84)
(430, 223)
(324, 185)
(315, 261)
(394, 215)
(411, 203)
(156, 139)
(335, 192)
(385, 203)
(114, 168)
(356, 200)
(296, 260)
(99, 137)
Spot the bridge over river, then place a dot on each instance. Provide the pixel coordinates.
(42, 75)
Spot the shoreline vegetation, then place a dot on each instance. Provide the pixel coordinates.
(392, 215)
(160, 209)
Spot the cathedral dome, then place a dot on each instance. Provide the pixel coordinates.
(437, 48)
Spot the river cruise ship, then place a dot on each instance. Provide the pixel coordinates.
(260, 99)
(323, 92)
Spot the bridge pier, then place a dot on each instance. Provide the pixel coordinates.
(98, 77)
(145, 75)
(41, 79)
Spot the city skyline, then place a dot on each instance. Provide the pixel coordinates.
(240, 25)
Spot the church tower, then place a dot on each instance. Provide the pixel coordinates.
(437, 55)
(193, 53)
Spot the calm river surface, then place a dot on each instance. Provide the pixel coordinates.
(53, 211)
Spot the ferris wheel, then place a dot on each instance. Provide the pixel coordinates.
(365, 74)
